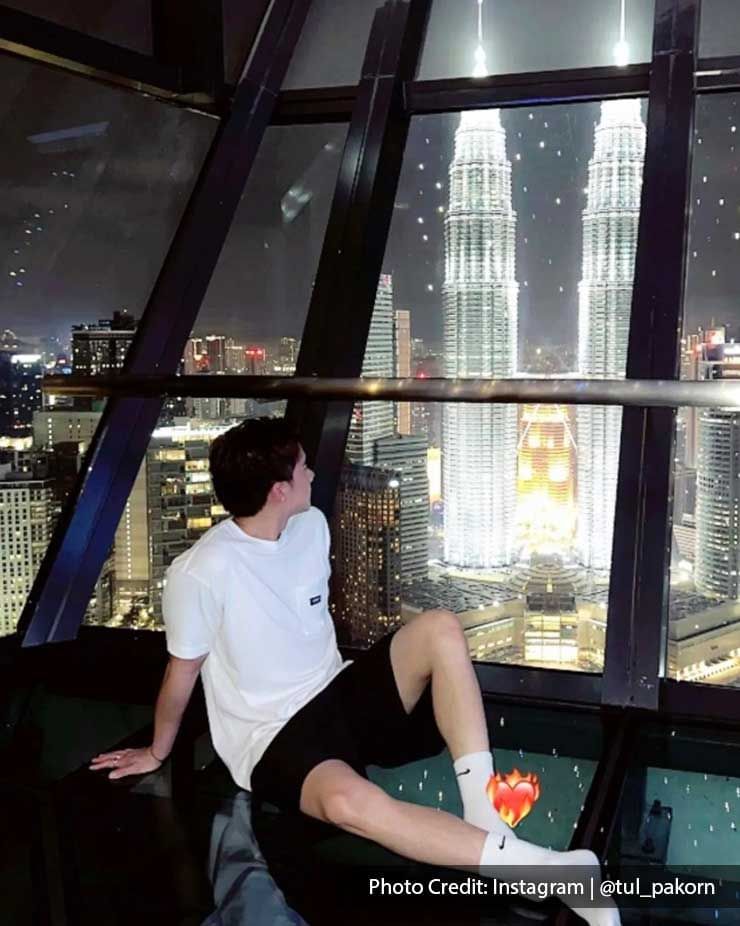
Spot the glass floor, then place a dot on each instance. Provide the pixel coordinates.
(680, 815)
(185, 846)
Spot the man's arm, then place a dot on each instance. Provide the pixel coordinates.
(174, 694)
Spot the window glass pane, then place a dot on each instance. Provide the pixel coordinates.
(703, 619)
(511, 254)
(474, 39)
(94, 181)
(679, 809)
(513, 238)
(259, 295)
(489, 511)
(123, 22)
(331, 48)
(720, 28)
(251, 322)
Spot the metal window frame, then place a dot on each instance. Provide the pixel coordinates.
(636, 629)
(366, 183)
(338, 321)
(78, 548)
(39, 40)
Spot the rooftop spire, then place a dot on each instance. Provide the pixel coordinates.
(621, 49)
(480, 69)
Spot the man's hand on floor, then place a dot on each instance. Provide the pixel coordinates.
(126, 762)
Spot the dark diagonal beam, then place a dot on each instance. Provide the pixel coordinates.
(57, 601)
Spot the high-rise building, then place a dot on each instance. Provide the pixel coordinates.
(20, 392)
(235, 359)
(366, 570)
(287, 356)
(480, 340)
(405, 459)
(181, 502)
(26, 506)
(255, 356)
(717, 515)
(53, 426)
(102, 348)
(215, 351)
(195, 358)
(610, 222)
(546, 480)
(426, 417)
(717, 556)
(130, 566)
(403, 366)
(207, 408)
(373, 420)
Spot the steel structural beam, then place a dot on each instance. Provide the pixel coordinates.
(342, 303)
(323, 104)
(642, 393)
(718, 74)
(635, 636)
(335, 104)
(546, 87)
(78, 548)
(47, 43)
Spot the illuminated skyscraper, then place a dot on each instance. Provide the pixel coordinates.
(403, 366)
(546, 480)
(610, 222)
(480, 339)
(373, 420)
(366, 567)
(717, 557)
(181, 501)
(26, 505)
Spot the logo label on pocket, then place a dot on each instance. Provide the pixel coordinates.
(315, 600)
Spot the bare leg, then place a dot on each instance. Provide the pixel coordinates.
(433, 645)
(334, 793)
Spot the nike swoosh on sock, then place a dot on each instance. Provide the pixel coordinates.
(466, 772)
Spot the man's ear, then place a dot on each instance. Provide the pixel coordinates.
(278, 491)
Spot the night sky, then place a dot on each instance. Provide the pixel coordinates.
(95, 179)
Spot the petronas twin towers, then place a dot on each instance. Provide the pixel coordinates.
(481, 323)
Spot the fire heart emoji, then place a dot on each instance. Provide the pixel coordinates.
(513, 795)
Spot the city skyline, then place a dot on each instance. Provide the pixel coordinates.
(265, 238)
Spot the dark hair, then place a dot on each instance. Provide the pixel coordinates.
(247, 460)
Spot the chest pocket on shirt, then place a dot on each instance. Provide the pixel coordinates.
(311, 605)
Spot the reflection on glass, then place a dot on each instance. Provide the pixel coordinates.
(331, 47)
(481, 37)
(679, 811)
(720, 29)
(93, 194)
(704, 613)
(511, 254)
(253, 313)
(250, 323)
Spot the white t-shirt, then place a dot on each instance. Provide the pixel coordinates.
(259, 608)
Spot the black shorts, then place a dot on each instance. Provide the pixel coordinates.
(359, 718)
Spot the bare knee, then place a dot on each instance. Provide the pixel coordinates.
(335, 793)
(443, 627)
(343, 806)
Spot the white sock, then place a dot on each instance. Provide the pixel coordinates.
(501, 850)
(473, 772)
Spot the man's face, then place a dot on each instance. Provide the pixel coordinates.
(301, 483)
